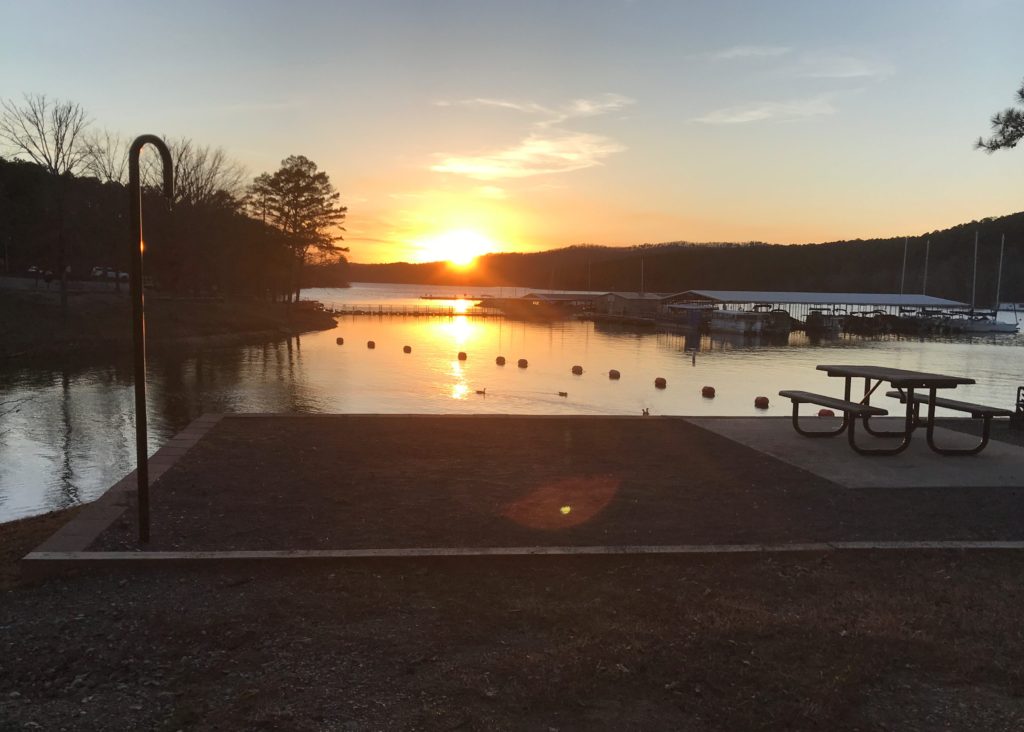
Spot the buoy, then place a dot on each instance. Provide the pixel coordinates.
(761, 402)
(500, 360)
(371, 344)
(613, 374)
(577, 370)
(826, 413)
(523, 363)
(406, 349)
(340, 341)
(563, 393)
(708, 392)
(462, 355)
(660, 383)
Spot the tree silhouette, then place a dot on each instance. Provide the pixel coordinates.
(299, 200)
(51, 135)
(1007, 127)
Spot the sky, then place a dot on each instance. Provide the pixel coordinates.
(452, 127)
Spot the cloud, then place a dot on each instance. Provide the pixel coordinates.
(492, 192)
(538, 154)
(829, 66)
(526, 107)
(547, 149)
(761, 111)
(751, 52)
(601, 104)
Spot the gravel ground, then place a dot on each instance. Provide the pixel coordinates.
(865, 641)
(895, 641)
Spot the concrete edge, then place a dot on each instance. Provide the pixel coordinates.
(95, 517)
(47, 561)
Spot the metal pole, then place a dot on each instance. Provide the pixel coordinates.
(139, 315)
(903, 275)
(974, 277)
(999, 277)
(927, 249)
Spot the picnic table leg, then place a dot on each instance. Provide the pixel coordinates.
(818, 433)
(986, 427)
(904, 435)
(904, 443)
(908, 427)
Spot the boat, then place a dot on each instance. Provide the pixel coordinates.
(749, 322)
(824, 322)
(979, 323)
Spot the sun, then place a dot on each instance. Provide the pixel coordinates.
(460, 247)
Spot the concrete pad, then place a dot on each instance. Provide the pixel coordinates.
(999, 465)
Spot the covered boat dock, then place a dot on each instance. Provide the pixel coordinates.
(800, 304)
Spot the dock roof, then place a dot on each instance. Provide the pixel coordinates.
(819, 298)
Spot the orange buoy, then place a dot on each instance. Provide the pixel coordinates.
(660, 383)
(761, 402)
(577, 370)
(826, 413)
(708, 392)
(462, 355)
(371, 344)
(613, 374)
(500, 360)
(406, 349)
(340, 341)
(523, 363)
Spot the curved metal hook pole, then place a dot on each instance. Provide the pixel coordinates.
(139, 314)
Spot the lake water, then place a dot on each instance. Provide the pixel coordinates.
(67, 433)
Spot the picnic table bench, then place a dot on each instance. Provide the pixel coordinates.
(977, 411)
(907, 383)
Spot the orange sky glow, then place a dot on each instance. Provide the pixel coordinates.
(452, 129)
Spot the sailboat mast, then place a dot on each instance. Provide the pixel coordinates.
(999, 277)
(903, 274)
(927, 249)
(974, 277)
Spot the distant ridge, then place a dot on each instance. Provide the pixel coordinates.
(859, 265)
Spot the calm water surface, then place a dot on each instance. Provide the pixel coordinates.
(66, 433)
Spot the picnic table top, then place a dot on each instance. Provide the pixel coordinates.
(897, 377)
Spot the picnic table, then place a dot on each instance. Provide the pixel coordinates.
(912, 388)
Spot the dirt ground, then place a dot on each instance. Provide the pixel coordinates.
(908, 641)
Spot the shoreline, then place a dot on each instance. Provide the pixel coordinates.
(100, 323)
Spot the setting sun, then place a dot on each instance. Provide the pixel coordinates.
(460, 247)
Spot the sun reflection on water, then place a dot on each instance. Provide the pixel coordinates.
(460, 329)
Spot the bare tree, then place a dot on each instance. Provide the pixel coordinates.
(51, 134)
(1007, 127)
(106, 160)
(107, 157)
(202, 174)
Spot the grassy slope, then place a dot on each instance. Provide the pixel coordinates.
(32, 322)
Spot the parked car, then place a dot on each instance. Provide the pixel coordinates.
(108, 273)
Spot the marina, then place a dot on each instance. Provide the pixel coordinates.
(719, 311)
